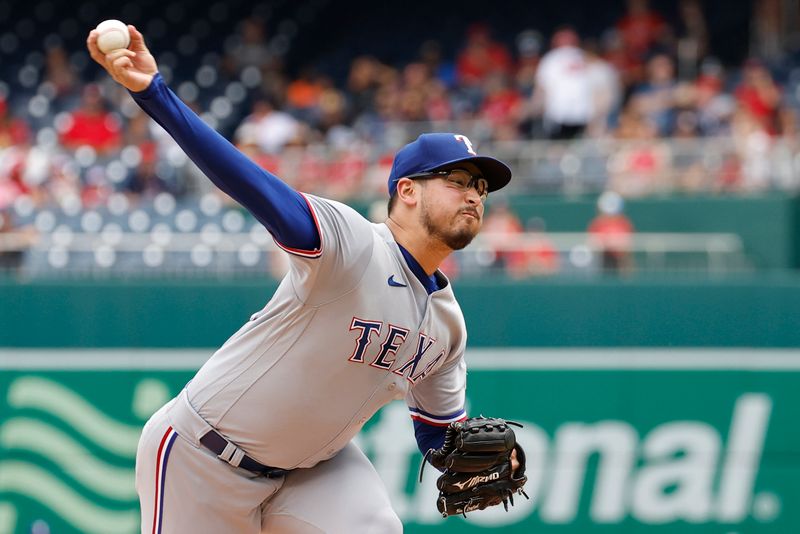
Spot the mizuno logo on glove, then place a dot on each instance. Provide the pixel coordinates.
(474, 481)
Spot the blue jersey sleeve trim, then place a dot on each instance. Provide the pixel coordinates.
(437, 420)
(282, 210)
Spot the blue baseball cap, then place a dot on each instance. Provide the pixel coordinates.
(432, 151)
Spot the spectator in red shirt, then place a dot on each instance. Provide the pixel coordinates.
(91, 125)
(760, 96)
(15, 147)
(640, 28)
(519, 252)
(480, 57)
(502, 103)
(499, 225)
(611, 233)
(641, 165)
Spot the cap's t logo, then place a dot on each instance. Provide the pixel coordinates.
(466, 141)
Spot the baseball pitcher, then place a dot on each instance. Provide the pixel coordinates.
(260, 438)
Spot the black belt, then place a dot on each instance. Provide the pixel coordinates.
(214, 442)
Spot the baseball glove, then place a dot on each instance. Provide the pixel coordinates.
(476, 464)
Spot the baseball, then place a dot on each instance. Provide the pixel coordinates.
(113, 35)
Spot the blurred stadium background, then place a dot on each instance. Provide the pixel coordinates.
(634, 298)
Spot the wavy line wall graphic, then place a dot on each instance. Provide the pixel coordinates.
(85, 418)
(8, 517)
(80, 472)
(86, 516)
(74, 459)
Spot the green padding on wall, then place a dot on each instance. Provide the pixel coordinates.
(768, 225)
(125, 314)
(636, 313)
(744, 312)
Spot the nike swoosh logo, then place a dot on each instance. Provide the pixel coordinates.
(394, 283)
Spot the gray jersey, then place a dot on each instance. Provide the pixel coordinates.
(349, 329)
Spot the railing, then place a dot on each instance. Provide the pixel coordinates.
(744, 162)
(221, 254)
(713, 253)
(634, 168)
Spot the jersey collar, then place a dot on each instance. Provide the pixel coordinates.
(430, 283)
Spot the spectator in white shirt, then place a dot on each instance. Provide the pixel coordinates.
(563, 93)
(272, 129)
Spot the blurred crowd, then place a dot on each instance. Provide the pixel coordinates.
(642, 80)
(77, 142)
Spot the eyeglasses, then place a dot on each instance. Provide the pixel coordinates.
(460, 179)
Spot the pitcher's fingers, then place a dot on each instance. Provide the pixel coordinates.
(137, 39)
(116, 67)
(119, 66)
(94, 52)
(118, 53)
